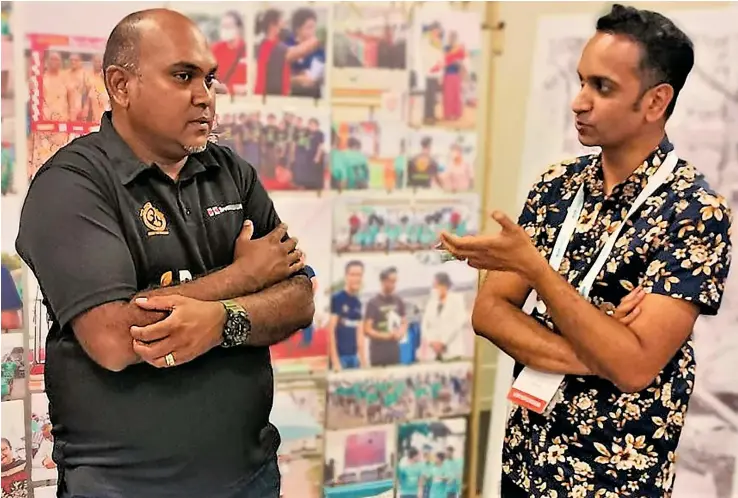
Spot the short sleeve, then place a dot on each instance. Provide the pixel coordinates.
(401, 308)
(335, 304)
(70, 237)
(693, 262)
(258, 206)
(371, 311)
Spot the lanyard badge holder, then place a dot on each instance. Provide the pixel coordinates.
(540, 391)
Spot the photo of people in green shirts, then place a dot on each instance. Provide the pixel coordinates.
(367, 154)
(431, 463)
(374, 225)
(358, 398)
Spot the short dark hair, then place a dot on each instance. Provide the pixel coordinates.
(387, 272)
(122, 47)
(442, 278)
(301, 16)
(426, 142)
(236, 18)
(667, 53)
(266, 19)
(354, 263)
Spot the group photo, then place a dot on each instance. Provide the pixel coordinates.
(13, 450)
(310, 220)
(289, 149)
(377, 396)
(431, 458)
(299, 413)
(367, 154)
(43, 467)
(290, 50)
(445, 59)
(441, 160)
(399, 310)
(374, 225)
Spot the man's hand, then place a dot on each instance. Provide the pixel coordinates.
(270, 259)
(192, 328)
(628, 310)
(509, 250)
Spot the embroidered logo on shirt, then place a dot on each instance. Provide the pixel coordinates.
(153, 220)
(216, 210)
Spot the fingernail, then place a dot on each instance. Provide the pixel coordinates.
(247, 223)
(141, 299)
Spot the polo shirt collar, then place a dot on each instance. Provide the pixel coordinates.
(629, 189)
(128, 166)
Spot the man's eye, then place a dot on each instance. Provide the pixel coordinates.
(210, 79)
(185, 77)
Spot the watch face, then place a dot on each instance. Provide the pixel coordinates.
(237, 329)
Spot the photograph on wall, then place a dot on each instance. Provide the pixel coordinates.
(224, 24)
(44, 492)
(431, 458)
(399, 309)
(370, 43)
(381, 396)
(309, 220)
(360, 462)
(288, 147)
(12, 176)
(43, 467)
(439, 159)
(13, 367)
(39, 323)
(290, 49)
(397, 224)
(14, 467)
(367, 153)
(445, 60)
(299, 414)
(12, 266)
(67, 92)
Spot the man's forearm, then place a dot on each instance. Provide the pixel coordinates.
(279, 311)
(526, 340)
(226, 283)
(600, 340)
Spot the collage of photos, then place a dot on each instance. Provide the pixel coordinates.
(367, 153)
(399, 310)
(290, 50)
(331, 104)
(445, 63)
(299, 414)
(289, 149)
(360, 462)
(394, 225)
(391, 395)
(431, 459)
(309, 220)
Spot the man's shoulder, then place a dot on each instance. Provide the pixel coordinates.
(695, 196)
(561, 171)
(85, 156)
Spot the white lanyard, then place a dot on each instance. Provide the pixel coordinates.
(572, 218)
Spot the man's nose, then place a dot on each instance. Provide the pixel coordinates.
(582, 101)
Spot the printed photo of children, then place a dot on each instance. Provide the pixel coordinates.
(13, 450)
(431, 458)
(445, 57)
(289, 149)
(441, 160)
(290, 50)
(43, 467)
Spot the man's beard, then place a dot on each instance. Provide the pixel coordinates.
(195, 149)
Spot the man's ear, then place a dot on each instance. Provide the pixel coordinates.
(117, 82)
(660, 98)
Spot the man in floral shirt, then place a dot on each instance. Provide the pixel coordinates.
(613, 426)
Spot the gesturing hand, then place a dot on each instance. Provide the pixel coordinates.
(509, 250)
(192, 328)
(267, 260)
(628, 309)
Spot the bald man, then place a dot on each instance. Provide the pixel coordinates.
(167, 275)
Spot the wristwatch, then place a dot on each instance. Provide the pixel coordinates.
(237, 328)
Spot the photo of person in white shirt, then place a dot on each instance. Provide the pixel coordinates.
(446, 322)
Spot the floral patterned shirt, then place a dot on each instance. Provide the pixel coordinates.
(599, 441)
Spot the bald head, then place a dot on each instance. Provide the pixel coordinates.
(123, 47)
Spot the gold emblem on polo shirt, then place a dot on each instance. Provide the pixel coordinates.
(153, 220)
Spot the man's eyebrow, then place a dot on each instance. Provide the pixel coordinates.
(189, 66)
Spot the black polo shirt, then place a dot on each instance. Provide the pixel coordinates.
(98, 225)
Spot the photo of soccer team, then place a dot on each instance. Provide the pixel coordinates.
(374, 225)
(381, 396)
(288, 148)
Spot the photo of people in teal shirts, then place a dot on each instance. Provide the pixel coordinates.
(431, 463)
